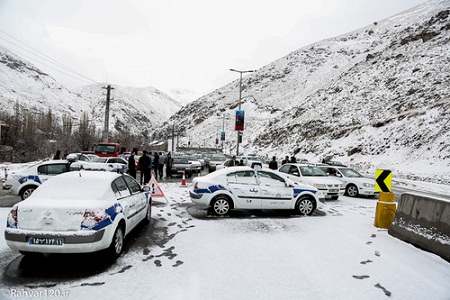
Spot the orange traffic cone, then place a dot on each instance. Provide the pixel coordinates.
(183, 181)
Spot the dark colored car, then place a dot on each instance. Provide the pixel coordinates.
(180, 165)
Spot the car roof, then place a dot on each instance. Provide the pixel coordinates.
(89, 185)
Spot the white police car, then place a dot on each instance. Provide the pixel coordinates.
(24, 181)
(247, 188)
(78, 212)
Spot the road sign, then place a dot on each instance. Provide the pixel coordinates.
(383, 181)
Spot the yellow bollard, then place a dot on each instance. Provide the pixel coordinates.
(386, 208)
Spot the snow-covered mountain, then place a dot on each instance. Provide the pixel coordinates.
(380, 92)
(24, 85)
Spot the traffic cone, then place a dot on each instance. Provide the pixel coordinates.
(183, 181)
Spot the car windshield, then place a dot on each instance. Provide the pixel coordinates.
(350, 173)
(312, 171)
(180, 160)
(218, 158)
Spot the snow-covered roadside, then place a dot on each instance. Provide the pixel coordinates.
(339, 255)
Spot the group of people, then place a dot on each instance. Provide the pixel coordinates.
(145, 164)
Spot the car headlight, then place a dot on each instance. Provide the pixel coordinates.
(365, 184)
(320, 186)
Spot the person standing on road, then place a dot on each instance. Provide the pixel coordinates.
(273, 164)
(161, 162)
(145, 165)
(293, 159)
(285, 160)
(132, 165)
(169, 164)
(156, 164)
(232, 162)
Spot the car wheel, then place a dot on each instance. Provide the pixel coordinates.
(306, 206)
(148, 216)
(221, 206)
(26, 192)
(116, 247)
(352, 190)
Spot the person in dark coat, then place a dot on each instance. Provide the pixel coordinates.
(156, 164)
(273, 164)
(132, 165)
(145, 165)
(169, 164)
(57, 155)
(285, 160)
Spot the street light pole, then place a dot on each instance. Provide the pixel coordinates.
(240, 99)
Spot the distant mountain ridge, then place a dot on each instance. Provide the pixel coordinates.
(378, 93)
(137, 108)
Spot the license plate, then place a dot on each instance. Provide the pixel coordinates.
(333, 191)
(46, 241)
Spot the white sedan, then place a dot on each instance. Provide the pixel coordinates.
(355, 184)
(247, 188)
(77, 212)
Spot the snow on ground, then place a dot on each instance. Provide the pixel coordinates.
(337, 254)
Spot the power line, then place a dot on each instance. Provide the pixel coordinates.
(45, 57)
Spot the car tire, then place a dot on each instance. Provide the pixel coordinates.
(351, 190)
(189, 175)
(116, 246)
(305, 206)
(148, 215)
(221, 206)
(26, 192)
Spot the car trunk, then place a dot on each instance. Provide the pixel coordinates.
(50, 217)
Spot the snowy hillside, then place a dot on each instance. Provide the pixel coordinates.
(23, 84)
(135, 108)
(377, 97)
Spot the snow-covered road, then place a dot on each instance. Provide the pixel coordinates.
(337, 254)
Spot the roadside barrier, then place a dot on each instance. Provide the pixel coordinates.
(385, 212)
(424, 222)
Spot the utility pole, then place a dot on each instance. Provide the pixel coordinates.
(105, 136)
(239, 133)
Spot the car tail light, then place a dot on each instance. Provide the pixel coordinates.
(12, 218)
(92, 217)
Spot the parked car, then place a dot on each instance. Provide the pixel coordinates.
(313, 175)
(181, 165)
(196, 166)
(355, 184)
(119, 163)
(247, 188)
(215, 160)
(23, 182)
(78, 212)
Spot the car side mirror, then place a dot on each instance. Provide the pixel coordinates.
(146, 188)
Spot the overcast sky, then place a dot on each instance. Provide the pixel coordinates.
(176, 44)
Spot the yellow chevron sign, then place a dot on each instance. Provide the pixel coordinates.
(383, 181)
